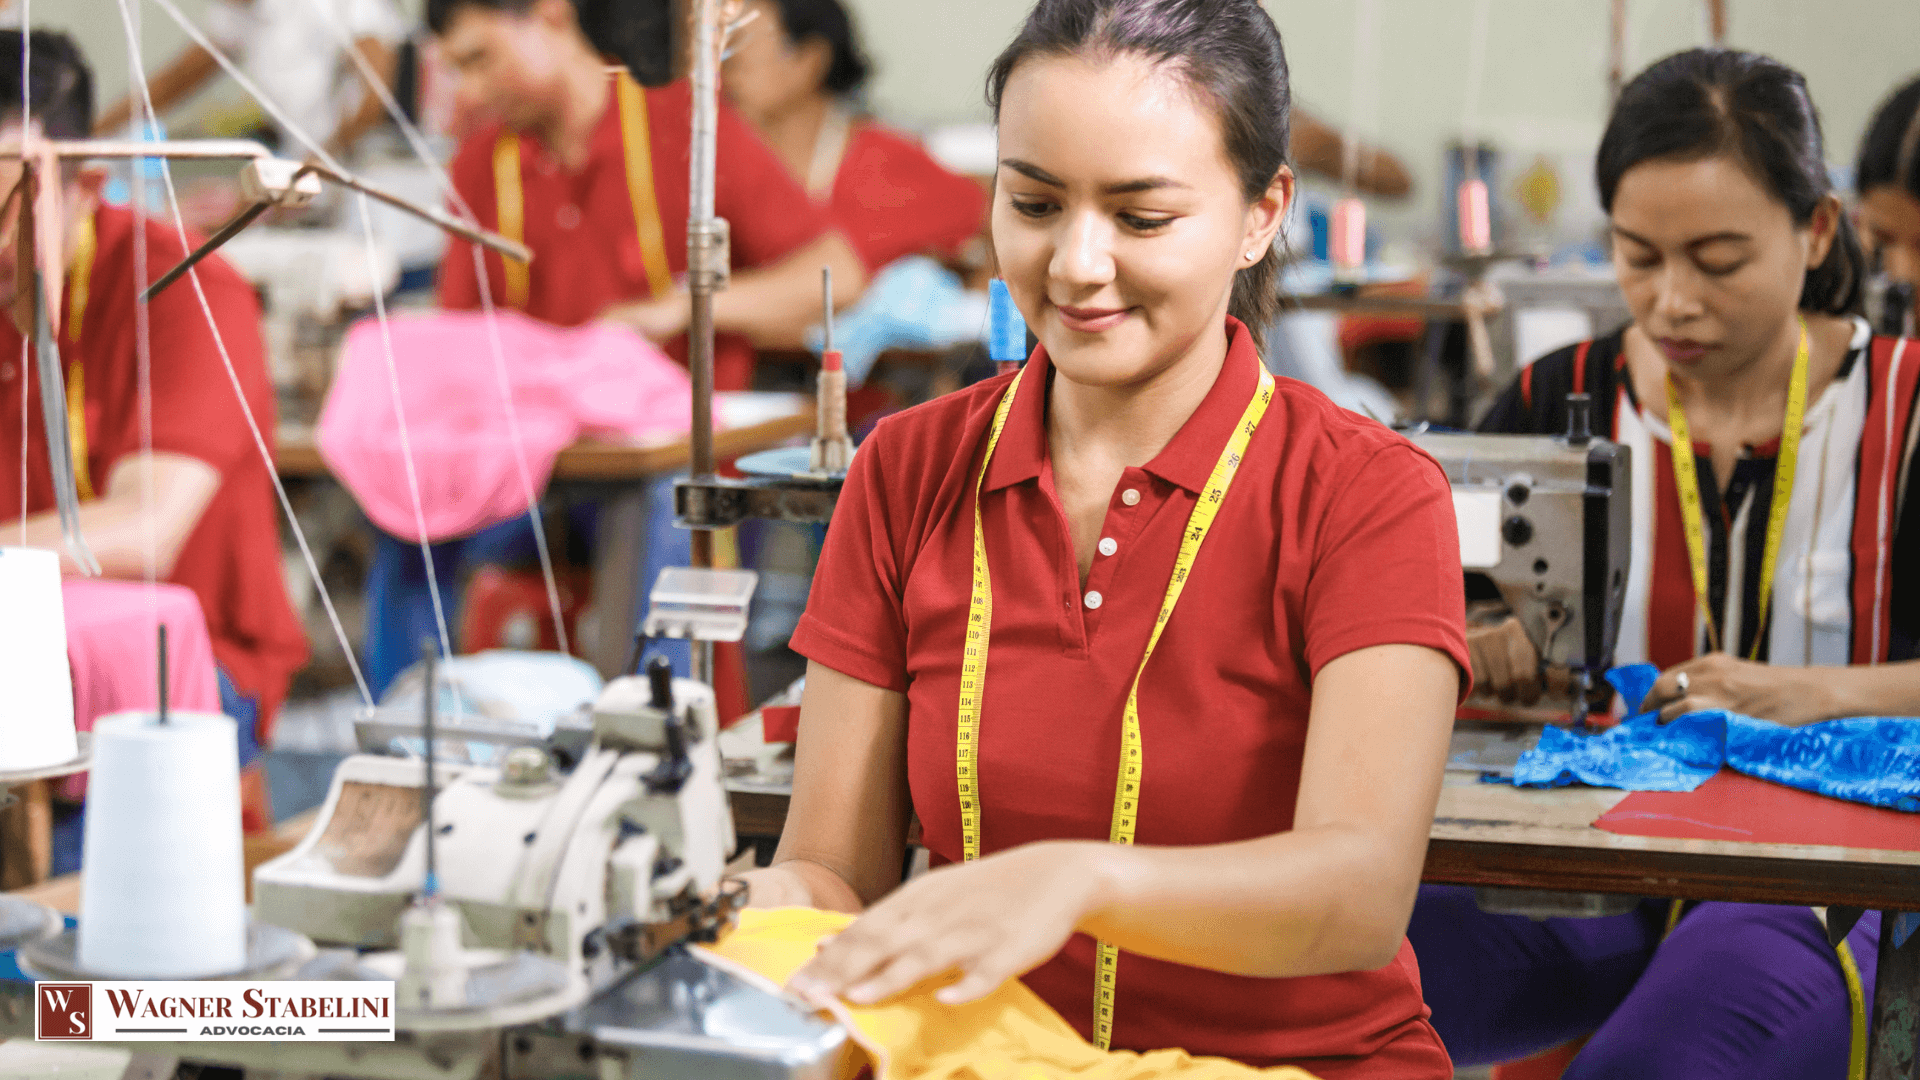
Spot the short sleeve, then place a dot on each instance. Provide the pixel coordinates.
(1386, 567)
(855, 622)
(195, 412)
(891, 199)
(767, 210)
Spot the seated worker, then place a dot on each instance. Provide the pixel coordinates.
(1887, 179)
(288, 48)
(1278, 738)
(599, 192)
(1744, 280)
(793, 76)
(590, 171)
(212, 516)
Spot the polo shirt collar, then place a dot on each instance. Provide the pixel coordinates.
(1186, 461)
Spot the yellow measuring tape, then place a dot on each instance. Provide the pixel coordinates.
(79, 281)
(635, 140)
(1687, 480)
(973, 666)
(1857, 1011)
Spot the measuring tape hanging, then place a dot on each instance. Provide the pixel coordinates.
(973, 666)
(1687, 480)
(80, 280)
(637, 144)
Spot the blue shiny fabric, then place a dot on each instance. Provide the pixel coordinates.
(1868, 759)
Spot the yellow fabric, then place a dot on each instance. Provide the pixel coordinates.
(1008, 1035)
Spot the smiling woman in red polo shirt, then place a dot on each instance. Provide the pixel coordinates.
(1201, 829)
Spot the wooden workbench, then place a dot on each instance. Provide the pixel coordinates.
(297, 455)
(1493, 835)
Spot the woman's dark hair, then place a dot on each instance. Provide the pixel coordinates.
(638, 33)
(1708, 102)
(1228, 48)
(827, 20)
(1890, 154)
(60, 85)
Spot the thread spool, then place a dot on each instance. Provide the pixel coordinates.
(164, 895)
(1347, 240)
(36, 721)
(1476, 217)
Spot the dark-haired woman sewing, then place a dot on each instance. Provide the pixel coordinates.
(1162, 653)
(1783, 590)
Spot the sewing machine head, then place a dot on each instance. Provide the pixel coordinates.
(602, 867)
(1545, 519)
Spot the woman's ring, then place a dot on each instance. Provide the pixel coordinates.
(1681, 682)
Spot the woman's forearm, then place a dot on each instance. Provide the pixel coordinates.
(1309, 902)
(800, 883)
(1861, 690)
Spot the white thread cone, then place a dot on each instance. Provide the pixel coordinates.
(163, 892)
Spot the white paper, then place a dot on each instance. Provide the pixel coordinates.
(1478, 515)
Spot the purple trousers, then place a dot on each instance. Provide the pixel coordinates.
(1740, 991)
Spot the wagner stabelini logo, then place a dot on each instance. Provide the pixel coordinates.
(63, 1010)
(215, 1011)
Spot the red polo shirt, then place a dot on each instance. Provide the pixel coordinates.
(581, 229)
(1337, 534)
(231, 560)
(891, 199)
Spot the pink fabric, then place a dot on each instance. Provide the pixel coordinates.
(111, 631)
(594, 380)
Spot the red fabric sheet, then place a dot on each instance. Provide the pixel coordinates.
(1733, 806)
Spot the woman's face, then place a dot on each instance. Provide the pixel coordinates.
(1711, 263)
(1890, 220)
(1118, 220)
(767, 73)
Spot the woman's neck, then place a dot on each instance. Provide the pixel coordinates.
(1750, 392)
(793, 131)
(568, 128)
(1127, 426)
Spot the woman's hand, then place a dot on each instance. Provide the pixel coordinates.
(658, 319)
(1785, 695)
(1505, 663)
(990, 920)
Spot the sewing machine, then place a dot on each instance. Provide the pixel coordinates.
(1546, 519)
(564, 897)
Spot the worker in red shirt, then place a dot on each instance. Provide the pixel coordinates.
(1162, 653)
(211, 516)
(590, 170)
(793, 75)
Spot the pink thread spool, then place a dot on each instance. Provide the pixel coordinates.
(1347, 239)
(1476, 219)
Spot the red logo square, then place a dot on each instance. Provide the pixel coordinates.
(62, 1010)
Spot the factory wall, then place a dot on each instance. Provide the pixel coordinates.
(1544, 94)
